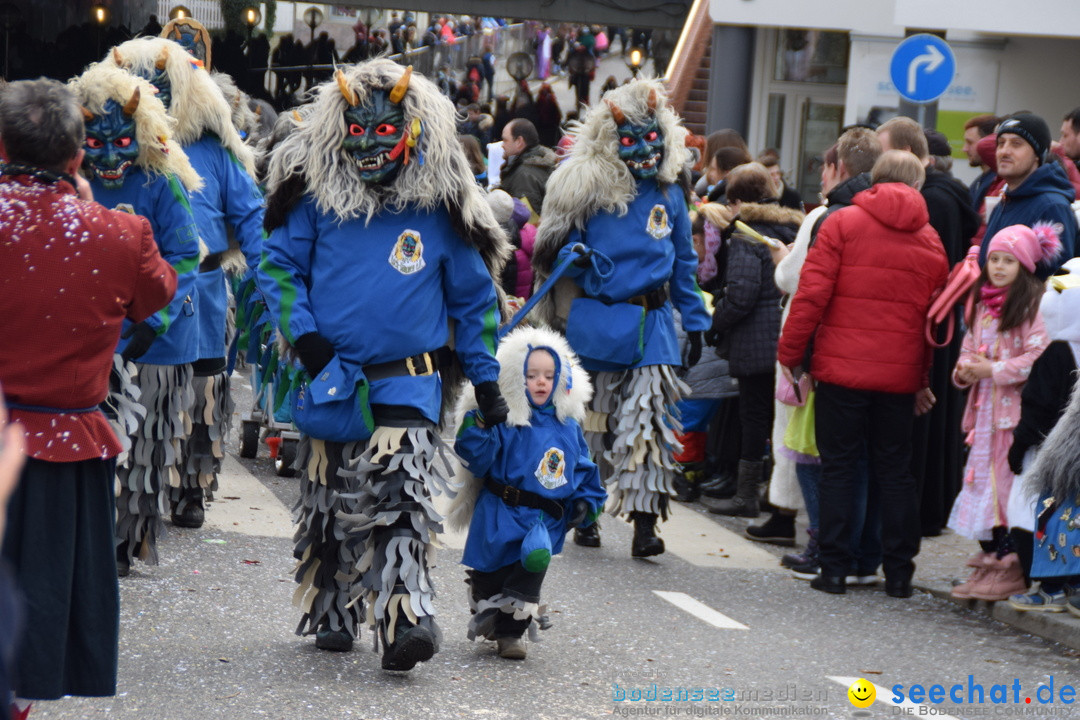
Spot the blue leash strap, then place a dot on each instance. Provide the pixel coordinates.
(543, 290)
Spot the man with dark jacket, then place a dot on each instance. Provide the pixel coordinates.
(863, 296)
(528, 163)
(1037, 188)
(74, 270)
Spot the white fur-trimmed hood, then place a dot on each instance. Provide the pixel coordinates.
(573, 391)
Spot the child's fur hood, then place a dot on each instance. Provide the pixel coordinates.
(573, 390)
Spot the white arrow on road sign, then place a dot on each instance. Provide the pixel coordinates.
(932, 59)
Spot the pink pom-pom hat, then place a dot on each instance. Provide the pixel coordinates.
(1029, 245)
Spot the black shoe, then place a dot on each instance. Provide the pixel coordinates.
(833, 584)
(588, 536)
(412, 644)
(685, 489)
(809, 569)
(778, 530)
(193, 515)
(898, 588)
(645, 543)
(721, 487)
(334, 640)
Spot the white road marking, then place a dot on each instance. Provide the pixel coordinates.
(700, 610)
(257, 512)
(883, 695)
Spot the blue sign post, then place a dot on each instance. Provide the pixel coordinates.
(922, 67)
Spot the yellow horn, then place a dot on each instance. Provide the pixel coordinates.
(86, 114)
(398, 93)
(652, 99)
(117, 57)
(160, 63)
(616, 112)
(296, 117)
(132, 103)
(347, 92)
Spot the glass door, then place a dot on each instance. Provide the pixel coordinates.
(819, 127)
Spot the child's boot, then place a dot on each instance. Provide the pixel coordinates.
(980, 564)
(512, 648)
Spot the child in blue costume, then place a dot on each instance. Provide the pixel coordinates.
(531, 480)
(618, 194)
(134, 165)
(381, 252)
(229, 198)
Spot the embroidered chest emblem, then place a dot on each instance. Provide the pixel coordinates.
(551, 472)
(407, 257)
(658, 222)
(126, 207)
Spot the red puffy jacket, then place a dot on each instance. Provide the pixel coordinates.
(864, 293)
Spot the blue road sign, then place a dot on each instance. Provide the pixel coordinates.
(922, 67)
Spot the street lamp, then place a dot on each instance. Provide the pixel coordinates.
(179, 12)
(313, 17)
(252, 17)
(100, 15)
(637, 56)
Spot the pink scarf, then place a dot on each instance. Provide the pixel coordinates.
(993, 298)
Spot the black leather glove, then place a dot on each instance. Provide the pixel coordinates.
(693, 349)
(579, 514)
(712, 337)
(584, 258)
(491, 403)
(315, 352)
(1016, 458)
(142, 337)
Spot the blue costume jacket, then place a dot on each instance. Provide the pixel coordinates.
(549, 458)
(383, 290)
(649, 246)
(230, 196)
(163, 201)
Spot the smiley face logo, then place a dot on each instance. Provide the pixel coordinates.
(861, 694)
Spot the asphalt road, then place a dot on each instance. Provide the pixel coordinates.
(714, 624)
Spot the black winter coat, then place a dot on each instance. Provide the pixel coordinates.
(951, 214)
(746, 316)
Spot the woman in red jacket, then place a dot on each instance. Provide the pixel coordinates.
(863, 297)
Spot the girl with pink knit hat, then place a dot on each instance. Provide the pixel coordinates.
(1005, 336)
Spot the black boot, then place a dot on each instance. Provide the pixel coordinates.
(720, 487)
(687, 486)
(745, 502)
(779, 529)
(588, 536)
(412, 643)
(645, 544)
(189, 512)
(335, 640)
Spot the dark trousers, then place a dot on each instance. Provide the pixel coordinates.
(845, 420)
(513, 580)
(756, 408)
(59, 542)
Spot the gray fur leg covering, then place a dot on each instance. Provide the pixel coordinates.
(640, 446)
(211, 417)
(328, 592)
(122, 406)
(153, 463)
(486, 612)
(395, 522)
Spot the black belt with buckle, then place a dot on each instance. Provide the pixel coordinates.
(516, 496)
(427, 363)
(210, 263)
(651, 300)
